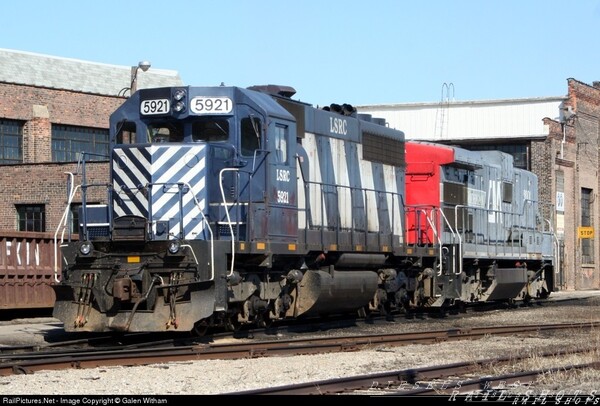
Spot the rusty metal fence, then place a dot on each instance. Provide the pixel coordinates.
(26, 270)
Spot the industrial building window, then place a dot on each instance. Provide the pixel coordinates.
(31, 217)
(560, 191)
(587, 220)
(11, 142)
(68, 142)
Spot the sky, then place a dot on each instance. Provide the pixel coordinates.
(348, 51)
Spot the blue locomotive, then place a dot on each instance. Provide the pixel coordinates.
(229, 206)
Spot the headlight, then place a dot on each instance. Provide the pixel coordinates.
(179, 94)
(86, 247)
(174, 246)
(179, 106)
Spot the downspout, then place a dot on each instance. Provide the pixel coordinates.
(564, 138)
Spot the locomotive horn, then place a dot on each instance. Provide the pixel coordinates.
(336, 108)
(348, 109)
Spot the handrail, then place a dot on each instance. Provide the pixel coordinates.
(435, 234)
(228, 216)
(212, 239)
(454, 234)
(315, 191)
(180, 186)
(556, 248)
(64, 218)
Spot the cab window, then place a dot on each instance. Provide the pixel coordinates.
(165, 132)
(210, 130)
(250, 135)
(281, 150)
(126, 132)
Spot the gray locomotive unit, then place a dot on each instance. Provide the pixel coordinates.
(229, 206)
(484, 213)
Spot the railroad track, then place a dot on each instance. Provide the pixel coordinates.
(24, 363)
(449, 379)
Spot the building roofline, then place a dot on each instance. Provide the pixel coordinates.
(86, 62)
(468, 102)
(53, 72)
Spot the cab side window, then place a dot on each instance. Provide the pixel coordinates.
(126, 132)
(250, 135)
(281, 150)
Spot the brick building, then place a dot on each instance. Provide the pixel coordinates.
(555, 137)
(51, 109)
(567, 164)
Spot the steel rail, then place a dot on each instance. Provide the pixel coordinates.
(255, 349)
(417, 381)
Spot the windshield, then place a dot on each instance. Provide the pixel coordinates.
(210, 129)
(165, 132)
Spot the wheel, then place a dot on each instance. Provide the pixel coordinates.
(264, 321)
(232, 324)
(201, 327)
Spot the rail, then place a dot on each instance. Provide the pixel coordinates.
(142, 355)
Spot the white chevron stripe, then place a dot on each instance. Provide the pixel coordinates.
(193, 214)
(163, 161)
(186, 198)
(118, 211)
(134, 177)
(132, 185)
(189, 176)
(173, 213)
(340, 176)
(366, 173)
(129, 183)
(197, 230)
(316, 196)
(126, 200)
(190, 173)
(389, 179)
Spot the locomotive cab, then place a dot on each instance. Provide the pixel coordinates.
(197, 175)
(239, 138)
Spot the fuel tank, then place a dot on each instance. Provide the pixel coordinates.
(333, 292)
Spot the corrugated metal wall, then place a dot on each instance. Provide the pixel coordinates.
(514, 118)
(26, 270)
